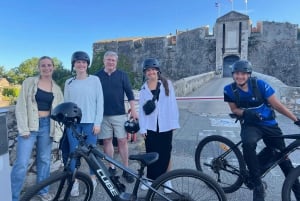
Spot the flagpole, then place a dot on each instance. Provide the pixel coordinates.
(246, 2)
(218, 6)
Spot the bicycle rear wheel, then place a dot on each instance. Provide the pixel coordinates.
(212, 158)
(186, 185)
(60, 185)
(288, 186)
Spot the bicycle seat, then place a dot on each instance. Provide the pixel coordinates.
(146, 159)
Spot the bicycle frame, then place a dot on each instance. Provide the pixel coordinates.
(285, 152)
(280, 158)
(91, 155)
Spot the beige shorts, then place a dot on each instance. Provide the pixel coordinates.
(113, 126)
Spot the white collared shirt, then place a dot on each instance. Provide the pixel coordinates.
(166, 113)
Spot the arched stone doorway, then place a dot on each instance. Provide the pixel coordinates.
(227, 62)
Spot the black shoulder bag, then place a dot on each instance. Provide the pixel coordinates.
(149, 106)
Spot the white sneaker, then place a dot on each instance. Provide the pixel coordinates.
(144, 187)
(94, 183)
(169, 185)
(75, 189)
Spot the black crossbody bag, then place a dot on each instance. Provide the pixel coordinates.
(149, 106)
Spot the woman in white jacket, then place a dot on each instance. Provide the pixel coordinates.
(158, 126)
(38, 96)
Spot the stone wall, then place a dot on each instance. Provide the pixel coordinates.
(195, 53)
(275, 31)
(188, 53)
(137, 49)
(289, 96)
(273, 49)
(187, 85)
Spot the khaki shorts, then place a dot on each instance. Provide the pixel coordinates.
(113, 126)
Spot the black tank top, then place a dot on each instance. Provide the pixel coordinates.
(44, 99)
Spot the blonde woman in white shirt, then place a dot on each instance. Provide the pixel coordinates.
(158, 126)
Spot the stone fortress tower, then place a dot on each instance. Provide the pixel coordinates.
(272, 47)
(232, 32)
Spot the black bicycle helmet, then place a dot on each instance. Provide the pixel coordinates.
(132, 126)
(66, 113)
(80, 55)
(242, 66)
(151, 63)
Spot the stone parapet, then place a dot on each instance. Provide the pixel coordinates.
(187, 85)
(289, 96)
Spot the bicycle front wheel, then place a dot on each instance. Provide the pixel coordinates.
(216, 156)
(291, 183)
(60, 185)
(185, 185)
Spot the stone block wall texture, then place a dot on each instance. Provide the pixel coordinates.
(187, 85)
(192, 53)
(273, 51)
(289, 96)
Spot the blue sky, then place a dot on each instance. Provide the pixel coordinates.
(57, 28)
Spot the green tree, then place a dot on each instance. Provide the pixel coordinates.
(60, 75)
(11, 91)
(11, 94)
(13, 76)
(26, 69)
(2, 72)
(29, 68)
(97, 63)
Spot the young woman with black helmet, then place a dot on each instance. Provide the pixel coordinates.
(86, 91)
(157, 123)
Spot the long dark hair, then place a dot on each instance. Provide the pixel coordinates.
(165, 83)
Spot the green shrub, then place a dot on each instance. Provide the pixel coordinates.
(11, 92)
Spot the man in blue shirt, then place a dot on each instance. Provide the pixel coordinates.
(115, 84)
(257, 121)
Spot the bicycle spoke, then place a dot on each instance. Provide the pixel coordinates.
(215, 157)
(59, 187)
(185, 187)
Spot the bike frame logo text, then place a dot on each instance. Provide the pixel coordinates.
(107, 182)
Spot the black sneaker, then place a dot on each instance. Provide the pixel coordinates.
(259, 193)
(112, 171)
(128, 177)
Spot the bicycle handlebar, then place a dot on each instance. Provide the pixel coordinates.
(290, 136)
